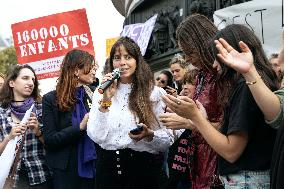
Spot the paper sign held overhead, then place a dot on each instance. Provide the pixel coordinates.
(43, 42)
(140, 32)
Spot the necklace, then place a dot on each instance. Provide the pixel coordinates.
(18, 101)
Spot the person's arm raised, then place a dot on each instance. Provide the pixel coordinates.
(242, 62)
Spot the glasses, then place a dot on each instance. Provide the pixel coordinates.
(159, 79)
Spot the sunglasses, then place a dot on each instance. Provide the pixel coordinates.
(159, 79)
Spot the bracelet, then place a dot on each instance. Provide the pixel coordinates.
(105, 103)
(252, 82)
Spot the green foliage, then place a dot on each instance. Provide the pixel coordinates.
(8, 58)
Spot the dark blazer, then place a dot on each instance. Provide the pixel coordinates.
(59, 135)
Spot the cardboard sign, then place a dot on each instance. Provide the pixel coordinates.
(43, 42)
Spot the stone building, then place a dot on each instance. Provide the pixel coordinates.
(162, 45)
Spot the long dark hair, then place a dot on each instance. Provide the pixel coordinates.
(233, 34)
(143, 82)
(67, 81)
(6, 93)
(193, 34)
(169, 75)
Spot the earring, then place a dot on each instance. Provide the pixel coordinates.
(78, 77)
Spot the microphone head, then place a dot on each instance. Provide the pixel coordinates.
(116, 73)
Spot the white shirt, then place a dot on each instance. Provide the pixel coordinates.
(110, 129)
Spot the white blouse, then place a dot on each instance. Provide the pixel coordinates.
(110, 129)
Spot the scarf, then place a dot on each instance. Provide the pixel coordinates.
(20, 110)
(86, 147)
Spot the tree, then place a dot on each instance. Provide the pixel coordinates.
(8, 58)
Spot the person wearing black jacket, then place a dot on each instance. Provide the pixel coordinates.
(70, 152)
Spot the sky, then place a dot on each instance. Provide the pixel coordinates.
(104, 20)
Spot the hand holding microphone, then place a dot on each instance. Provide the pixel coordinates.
(114, 75)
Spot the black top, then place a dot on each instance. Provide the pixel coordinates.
(243, 114)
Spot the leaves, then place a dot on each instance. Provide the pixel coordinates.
(8, 58)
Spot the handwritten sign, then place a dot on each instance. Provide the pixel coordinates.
(264, 18)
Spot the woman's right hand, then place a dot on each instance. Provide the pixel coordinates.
(17, 131)
(241, 62)
(110, 91)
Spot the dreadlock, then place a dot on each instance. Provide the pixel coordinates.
(193, 35)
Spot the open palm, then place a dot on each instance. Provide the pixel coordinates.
(241, 62)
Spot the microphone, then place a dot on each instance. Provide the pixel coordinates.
(115, 75)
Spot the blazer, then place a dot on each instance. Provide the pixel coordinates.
(60, 136)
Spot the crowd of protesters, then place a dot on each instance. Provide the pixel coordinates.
(213, 119)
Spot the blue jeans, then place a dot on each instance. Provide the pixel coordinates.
(247, 180)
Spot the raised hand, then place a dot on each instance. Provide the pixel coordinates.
(241, 62)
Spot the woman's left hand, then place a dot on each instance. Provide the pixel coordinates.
(146, 133)
(174, 121)
(33, 124)
(182, 105)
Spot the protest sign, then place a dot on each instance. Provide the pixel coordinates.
(140, 32)
(264, 18)
(8, 155)
(43, 42)
(109, 44)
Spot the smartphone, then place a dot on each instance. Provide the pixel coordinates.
(137, 130)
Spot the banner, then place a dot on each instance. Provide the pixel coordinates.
(109, 44)
(8, 155)
(140, 32)
(43, 42)
(264, 18)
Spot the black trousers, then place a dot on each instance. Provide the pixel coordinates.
(69, 178)
(24, 182)
(129, 169)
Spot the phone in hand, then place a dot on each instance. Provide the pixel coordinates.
(137, 130)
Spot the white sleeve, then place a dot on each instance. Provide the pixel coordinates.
(97, 127)
(163, 137)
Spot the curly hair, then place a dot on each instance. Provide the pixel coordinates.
(178, 59)
(6, 93)
(67, 81)
(193, 35)
(142, 85)
(190, 77)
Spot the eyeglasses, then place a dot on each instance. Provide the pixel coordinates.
(159, 79)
